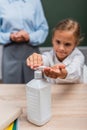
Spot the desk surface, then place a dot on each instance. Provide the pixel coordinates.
(69, 106)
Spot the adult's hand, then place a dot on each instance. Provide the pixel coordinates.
(21, 36)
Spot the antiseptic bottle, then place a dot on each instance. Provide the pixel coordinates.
(38, 93)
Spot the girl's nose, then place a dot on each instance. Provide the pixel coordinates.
(61, 47)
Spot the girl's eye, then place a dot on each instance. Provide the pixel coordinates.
(67, 44)
(57, 41)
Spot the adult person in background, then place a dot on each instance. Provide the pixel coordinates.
(23, 27)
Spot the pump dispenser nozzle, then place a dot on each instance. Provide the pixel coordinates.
(41, 68)
(37, 74)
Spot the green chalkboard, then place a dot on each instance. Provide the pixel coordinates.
(56, 10)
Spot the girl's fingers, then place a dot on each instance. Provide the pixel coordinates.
(34, 60)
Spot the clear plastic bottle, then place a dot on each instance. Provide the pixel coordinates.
(38, 99)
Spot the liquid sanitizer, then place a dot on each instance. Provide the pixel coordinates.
(38, 99)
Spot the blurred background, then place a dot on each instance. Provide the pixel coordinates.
(56, 10)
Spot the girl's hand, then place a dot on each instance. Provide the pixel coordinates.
(57, 71)
(34, 61)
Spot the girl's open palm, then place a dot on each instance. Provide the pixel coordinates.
(57, 71)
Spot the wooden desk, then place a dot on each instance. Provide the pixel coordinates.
(69, 106)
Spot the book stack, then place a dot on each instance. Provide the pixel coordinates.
(9, 114)
(13, 125)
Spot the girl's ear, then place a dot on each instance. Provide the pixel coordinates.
(77, 43)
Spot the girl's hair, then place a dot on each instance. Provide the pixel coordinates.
(69, 25)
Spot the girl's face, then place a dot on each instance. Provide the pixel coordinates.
(63, 43)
